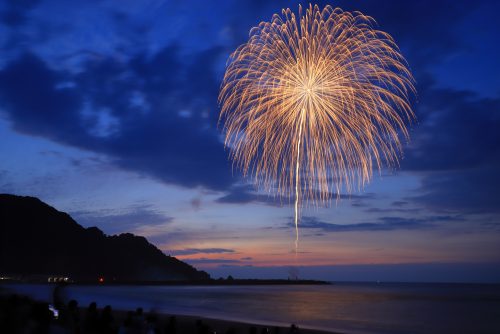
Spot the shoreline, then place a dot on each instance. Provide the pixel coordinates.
(187, 324)
(213, 282)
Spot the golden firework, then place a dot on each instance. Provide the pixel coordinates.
(312, 102)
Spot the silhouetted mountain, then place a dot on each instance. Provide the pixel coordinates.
(36, 239)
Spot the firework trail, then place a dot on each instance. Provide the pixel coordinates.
(312, 102)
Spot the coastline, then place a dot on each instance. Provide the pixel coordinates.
(209, 282)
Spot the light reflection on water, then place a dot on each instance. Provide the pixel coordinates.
(350, 308)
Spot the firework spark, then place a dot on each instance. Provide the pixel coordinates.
(311, 103)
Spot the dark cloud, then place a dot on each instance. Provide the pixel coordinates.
(163, 133)
(34, 104)
(112, 222)
(456, 150)
(191, 251)
(457, 130)
(382, 224)
(471, 191)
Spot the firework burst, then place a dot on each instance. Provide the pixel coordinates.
(312, 103)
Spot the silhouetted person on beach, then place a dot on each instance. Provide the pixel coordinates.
(59, 296)
(72, 316)
(91, 321)
(40, 318)
(203, 328)
(231, 331)
(107, 321)
(126, 327)
(12, 318)
(172, 325)
(151, 323)
(138, 321)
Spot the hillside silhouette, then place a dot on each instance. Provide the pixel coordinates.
(36, 239)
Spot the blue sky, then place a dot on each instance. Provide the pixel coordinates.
(108, 110)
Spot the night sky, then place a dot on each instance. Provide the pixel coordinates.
(108, 111)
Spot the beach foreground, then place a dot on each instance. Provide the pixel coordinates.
(21, 314)
(375, 308)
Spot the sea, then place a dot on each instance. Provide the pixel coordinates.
(358, 308)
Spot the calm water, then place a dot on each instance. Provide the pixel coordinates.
(345, 307)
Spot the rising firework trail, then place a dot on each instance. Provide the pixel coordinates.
(312, 102)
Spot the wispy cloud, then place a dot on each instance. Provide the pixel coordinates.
(245, 194)
(382, 224)
(211, 261)
(191, 251)
(393, 209)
